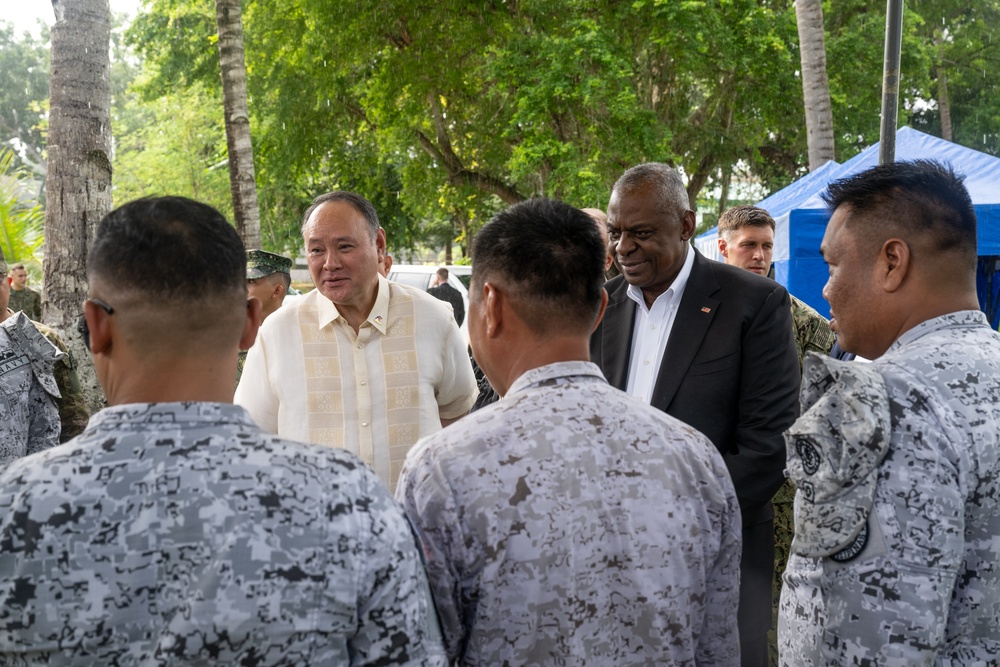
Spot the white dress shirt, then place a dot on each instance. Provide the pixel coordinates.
(652, 331)
(310, 377)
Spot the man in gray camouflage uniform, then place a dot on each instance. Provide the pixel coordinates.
(173, 531)
(746, 240)
(29, 416)
(569, 524)
(897, 462)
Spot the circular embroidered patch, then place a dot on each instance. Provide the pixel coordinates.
(855, 548)
(809, 453)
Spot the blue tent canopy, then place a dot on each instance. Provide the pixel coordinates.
(801, 216)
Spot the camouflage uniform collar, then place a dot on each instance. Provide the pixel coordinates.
(834, 450)
(41, 353)
(552, 372)
(959, 318)
(155, 415)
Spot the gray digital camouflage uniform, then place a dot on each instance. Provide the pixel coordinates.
(29, 418)
(570, 524)
(180, 534)
(812, 334)
(72, 404)
(894, 560)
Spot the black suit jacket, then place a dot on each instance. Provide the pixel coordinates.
(729, 370)
(446, 292)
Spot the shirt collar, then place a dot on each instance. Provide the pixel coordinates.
(960, 318)
(327, 311)
(191, 413)
(676, 288)
(551, 372)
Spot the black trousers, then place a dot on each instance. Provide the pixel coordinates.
(756, 573)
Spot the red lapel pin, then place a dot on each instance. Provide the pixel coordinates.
(706, 309)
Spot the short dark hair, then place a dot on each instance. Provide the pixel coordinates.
(671, 195)
(739, 217)
(443, 272)
(362, 205)
(17, 267)
(921, 196)
(171, 248)
(276, 278)
(550, 256)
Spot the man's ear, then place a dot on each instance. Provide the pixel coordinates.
(688, 224)
(600, 313)
(894, 264)
(380, 244)
(101, 327)
(252, 323)
(722, 247)
(493, 306)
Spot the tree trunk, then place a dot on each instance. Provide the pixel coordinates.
(451, 241)
(727, 177)
(78, 181)
(815, 86)
(944, 105)
(242, 181)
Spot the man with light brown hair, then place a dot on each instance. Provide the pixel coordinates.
(22, 297)
(746, 240)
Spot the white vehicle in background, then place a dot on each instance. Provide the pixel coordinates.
(421, 276)
(463, 271)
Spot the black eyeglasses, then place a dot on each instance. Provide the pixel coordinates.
(81, 324)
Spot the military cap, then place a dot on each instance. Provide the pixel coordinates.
(834, 450)
(262, 263)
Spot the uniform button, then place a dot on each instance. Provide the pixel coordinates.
(363, 383)
(365, 424)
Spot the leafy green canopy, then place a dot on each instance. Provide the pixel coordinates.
(21, 220)
(443, 112)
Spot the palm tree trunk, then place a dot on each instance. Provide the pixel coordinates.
(242, 181)
(944, 104)
(815, 86)
(78, 179)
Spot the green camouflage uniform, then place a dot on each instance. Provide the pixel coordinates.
(27, 301)
(812, 334)
(241, 361)
(812, 330)
(72, 405)
(260, 264)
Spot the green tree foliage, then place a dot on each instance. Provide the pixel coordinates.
(21, 217)
(167, 141)
(24, 86)
(964, 53)
(443, 112)
(173, 144)
(855, 56)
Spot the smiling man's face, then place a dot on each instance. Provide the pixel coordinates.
(650, 244)
(343, 257)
